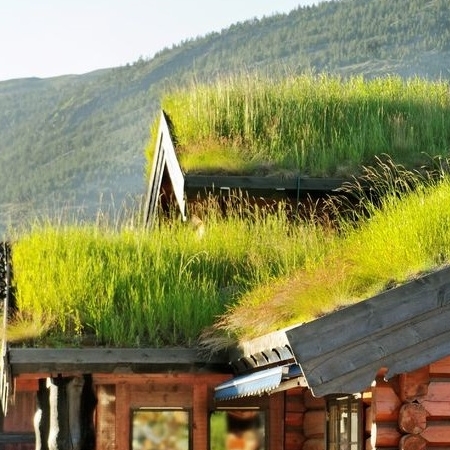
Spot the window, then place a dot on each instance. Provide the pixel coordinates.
(160, 429)
(344, 423)
(236, 429)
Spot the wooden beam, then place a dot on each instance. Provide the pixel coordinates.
(112, 360)
(269, 183)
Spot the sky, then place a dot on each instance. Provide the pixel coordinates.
(45, 38)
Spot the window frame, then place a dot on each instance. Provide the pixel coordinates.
(344, 402)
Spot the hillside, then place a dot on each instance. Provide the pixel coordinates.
(77, 141)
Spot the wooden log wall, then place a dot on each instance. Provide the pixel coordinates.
(293, 419)
(412, 411)
(304, 420)
(17, 426)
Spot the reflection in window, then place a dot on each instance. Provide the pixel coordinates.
(160, 429)
(344, 423)
(237, 430)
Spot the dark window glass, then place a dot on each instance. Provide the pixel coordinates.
(344, 430)
(160, 429)
(237, 429)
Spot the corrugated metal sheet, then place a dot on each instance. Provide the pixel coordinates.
(252, 384)
(402, 329)
(257, 383)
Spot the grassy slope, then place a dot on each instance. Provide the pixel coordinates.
(408, 233)
(132, 288)
(244, 277)
(313, 125)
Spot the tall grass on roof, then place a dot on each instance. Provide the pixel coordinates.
(101, 286)
(317, 125)
(406, 235)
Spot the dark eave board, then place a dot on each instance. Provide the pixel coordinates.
(112, 360)
(216, 183)
(402, 329)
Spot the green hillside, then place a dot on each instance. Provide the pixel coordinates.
(77, 141)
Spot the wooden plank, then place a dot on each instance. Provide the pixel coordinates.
(402, 329)
(112, 360)
(106, 413)
(123, 416)
(165, 397)
(163, 378)
(276, 420)
(26, 385)
(20, 415)
(200, 416)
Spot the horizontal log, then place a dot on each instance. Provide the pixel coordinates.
(412, 442)
(385, 404)
(437, 410)
(385, 435)
(438, 392)
(313, 424)
(437, 401)
(437, 434)
(294, 420)
(312, 402)
(440, 368)
(314, 444)
(412, 418)
(293, 440)
(295, 403)
(414, 385)
(26, 384)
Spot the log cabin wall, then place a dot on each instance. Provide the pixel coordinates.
(314, 421)
(294, 415)
(409, 412)
(304, 420)
(17, 425)
(412, 411)
(119, 395)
